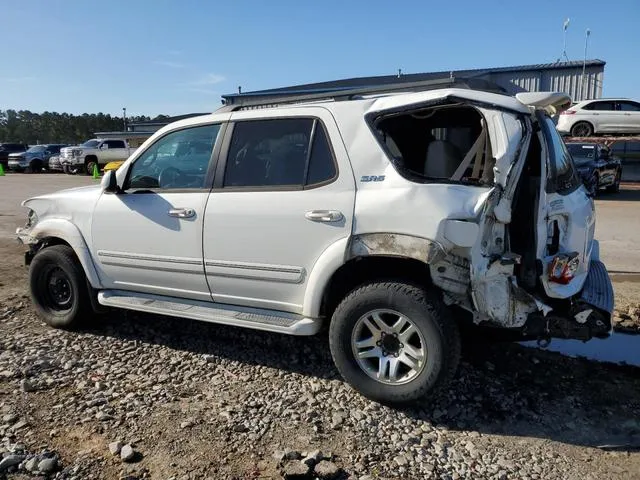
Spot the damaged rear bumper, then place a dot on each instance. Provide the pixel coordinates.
(587, 316)
(598, 289)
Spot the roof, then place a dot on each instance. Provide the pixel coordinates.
(167, 120)
(359, 82)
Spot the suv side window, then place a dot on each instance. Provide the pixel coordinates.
(179, 159)
(600, 106)
(289, 152)
(561, 175)
(115, 144)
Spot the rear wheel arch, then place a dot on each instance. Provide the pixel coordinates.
(362, 270)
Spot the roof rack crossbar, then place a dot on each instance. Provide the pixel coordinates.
(237, 101)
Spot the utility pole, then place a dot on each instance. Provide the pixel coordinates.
(565, 26)
(124, 118)
(584, 65)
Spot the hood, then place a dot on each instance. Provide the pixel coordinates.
(64, 202)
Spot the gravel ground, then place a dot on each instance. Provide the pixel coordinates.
(139, 396)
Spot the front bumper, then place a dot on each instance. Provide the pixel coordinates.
(17, 164)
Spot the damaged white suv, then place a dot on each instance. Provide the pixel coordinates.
(390, 217)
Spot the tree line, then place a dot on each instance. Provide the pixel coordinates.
(24, 126)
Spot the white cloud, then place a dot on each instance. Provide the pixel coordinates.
(168, 63)
(17, 79)
(208, 79)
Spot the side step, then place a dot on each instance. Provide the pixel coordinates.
(269, 320)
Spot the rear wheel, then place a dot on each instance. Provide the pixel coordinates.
(90, 165)
(59, 287)
(394, 342)
(582, 129)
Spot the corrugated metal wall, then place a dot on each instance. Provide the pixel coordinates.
(566, 80)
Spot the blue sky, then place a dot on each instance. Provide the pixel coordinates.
(178, 56)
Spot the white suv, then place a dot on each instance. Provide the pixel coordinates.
(393, 218)
(611, 115)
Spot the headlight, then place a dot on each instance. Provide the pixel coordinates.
(32, 218)
(76, 152)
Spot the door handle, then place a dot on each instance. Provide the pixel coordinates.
(324, 216)
(182, 212)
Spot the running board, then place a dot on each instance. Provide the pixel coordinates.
(269, 320)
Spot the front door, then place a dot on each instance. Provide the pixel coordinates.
(149, 238)
(283, 196)
(630, 112)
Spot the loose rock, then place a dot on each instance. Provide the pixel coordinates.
(127, 453)
(326, 469)
(115, 447)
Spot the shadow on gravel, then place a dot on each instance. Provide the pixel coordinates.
(500, 388)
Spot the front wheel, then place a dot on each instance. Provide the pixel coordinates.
(58, 287)
(615, 188)
(394, 342)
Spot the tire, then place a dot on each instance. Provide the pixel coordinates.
(582, 129)
(595, 184)
(34, 167)
(615, 188)
(433, 326)
(90, 164)
(59, 287)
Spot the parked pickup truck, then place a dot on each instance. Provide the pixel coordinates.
(83, 158)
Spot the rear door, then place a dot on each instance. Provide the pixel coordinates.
(116, 151)
(284, 192)
(566, 216)
(604, 116)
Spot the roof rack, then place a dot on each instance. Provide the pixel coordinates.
(272, 99)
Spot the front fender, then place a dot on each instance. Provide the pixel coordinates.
(67, 231)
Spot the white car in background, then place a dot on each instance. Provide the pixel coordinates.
(611, 115)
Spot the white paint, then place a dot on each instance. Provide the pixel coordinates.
(461, 234)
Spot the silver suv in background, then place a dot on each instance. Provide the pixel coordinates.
(611, 115)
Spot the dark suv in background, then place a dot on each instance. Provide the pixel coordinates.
(8, 148)
(35, 159)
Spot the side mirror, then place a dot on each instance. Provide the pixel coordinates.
(109, 182)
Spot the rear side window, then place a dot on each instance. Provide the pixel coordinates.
(115, 143)
(600, 106)
(291, 152)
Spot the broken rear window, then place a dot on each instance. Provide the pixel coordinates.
(439, 144)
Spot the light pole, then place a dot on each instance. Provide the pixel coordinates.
(584, 63)
(124, 118)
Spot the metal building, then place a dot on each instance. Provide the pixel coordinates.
(560, 76)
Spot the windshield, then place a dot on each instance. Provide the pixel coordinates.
(90, 143)
(37, 149)
(581, 153)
